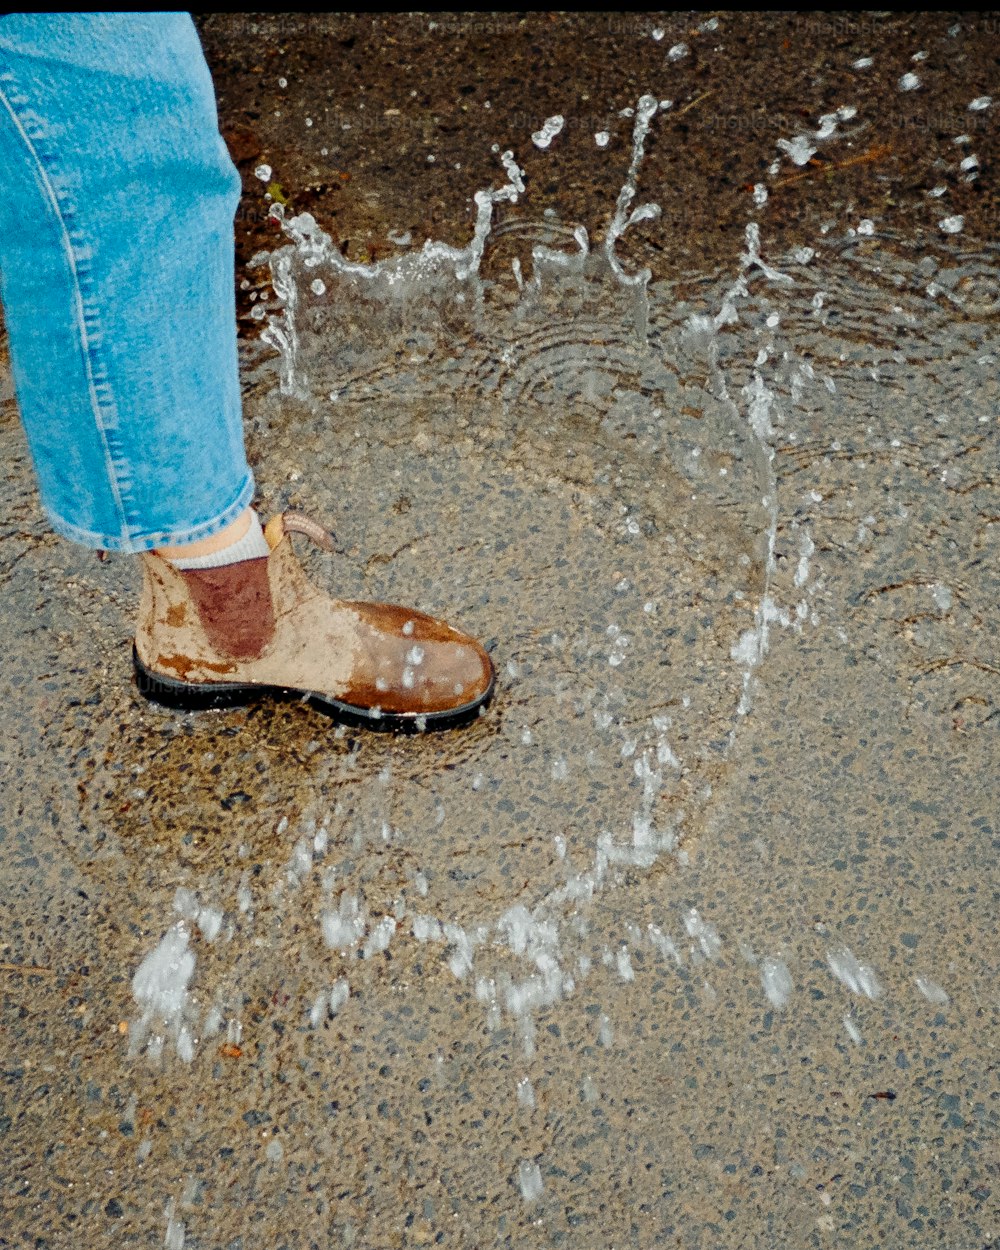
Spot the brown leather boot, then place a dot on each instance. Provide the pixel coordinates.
(223, 637)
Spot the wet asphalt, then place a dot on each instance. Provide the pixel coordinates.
(779, 1028)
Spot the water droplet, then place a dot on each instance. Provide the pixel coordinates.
(799, 149)
(777, 982)
(529, 1179)
(175, 1234)
(853, 1032)
(932, 991)
(185, 1044)
(552, 126)
(942, 596)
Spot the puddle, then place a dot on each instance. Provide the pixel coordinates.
(625, 490)
(664, 505)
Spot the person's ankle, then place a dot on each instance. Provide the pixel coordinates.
(242, 539)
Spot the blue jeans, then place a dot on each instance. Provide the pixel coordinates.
(116, 275)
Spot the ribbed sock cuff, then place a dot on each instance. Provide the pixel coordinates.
(252, 545)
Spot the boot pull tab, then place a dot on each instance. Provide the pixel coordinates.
(298, 523)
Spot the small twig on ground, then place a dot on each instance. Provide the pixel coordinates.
(697, 100)
(863, 158)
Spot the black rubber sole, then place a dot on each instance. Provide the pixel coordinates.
(196, 697)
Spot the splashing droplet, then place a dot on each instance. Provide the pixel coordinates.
(542, 138)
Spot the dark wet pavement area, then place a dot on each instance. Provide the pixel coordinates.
(690, 941)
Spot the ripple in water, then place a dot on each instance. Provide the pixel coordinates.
(528, 457)
(592, 485)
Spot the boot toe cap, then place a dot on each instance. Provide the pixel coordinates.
(416, 664)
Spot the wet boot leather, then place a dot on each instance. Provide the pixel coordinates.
(223, 637)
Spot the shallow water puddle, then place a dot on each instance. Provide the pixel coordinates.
(625, 494)
(685, 515)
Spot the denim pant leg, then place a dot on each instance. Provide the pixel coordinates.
(116, 274)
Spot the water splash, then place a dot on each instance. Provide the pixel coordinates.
(525, 959)
(752, 646)
(858, 977)
(622, 219)
(281, 331)
(160, 987)
(436, 266)
(440, 270)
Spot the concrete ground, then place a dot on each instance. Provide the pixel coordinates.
(691, 941)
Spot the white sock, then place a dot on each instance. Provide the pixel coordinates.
(252, 544)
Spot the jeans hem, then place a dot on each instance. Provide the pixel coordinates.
(132, 544)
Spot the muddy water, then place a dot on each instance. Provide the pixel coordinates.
(690, 940)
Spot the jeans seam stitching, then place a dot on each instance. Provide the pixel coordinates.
(88, 350)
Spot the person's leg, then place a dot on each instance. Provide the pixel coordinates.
(116, 273)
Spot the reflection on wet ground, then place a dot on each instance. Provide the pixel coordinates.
(690, 941)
